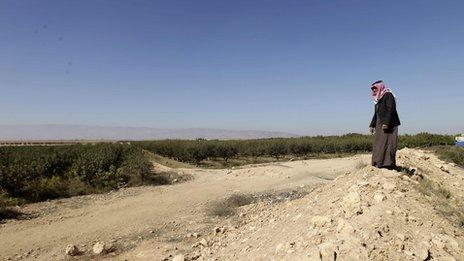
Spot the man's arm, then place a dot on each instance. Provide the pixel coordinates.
(373, 121)
(389, 108)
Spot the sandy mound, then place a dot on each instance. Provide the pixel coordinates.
(370, 214)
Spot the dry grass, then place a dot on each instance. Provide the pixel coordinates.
(283, 195)
(9, 213)
(443, 201)
(171, 177)
(360, 164)
(228, 206)
(451, 154)
(430, 188)
(167, 161)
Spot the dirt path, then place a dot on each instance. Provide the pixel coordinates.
(132, 217)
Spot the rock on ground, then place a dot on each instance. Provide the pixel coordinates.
(72, 250)
(102, 248)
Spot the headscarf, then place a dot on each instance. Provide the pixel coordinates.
(381, 90)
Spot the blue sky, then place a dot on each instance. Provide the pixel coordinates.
(297, 66)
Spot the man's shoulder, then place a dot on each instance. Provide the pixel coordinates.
(388, 96)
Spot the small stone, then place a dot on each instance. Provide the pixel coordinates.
(219, 230)
(388, 186)
(279, 248)
(444, 169)
(101, 248)
(401, 237)
(379, 197)
(422, 250)
(351, 203)
(405, 178)
(203, 242)
(179, 257)
(320, 221)
(409, 253)
(328, 251)
(72, 250)
(445, 242)
(344, 227)
(314, 254)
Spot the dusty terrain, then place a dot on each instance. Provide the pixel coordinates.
(370, 214)
(159, 215)
(352, 212)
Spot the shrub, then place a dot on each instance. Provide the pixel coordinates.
(226, 151)
(5, 211)
(39, 173)
(229, 205)
(453, 154)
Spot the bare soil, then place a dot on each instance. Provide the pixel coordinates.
(332, 209)
(149, 223)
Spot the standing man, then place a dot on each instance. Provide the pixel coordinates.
(384, 125)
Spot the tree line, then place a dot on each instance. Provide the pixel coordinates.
(195, 151)
(37, 173)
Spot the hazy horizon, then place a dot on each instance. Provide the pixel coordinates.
(301, 67)
(86, 132)
(41, 132)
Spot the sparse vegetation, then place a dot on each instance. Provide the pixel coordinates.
(168, 162)
(442, 198)
(5, 211)
(9, 213)
(229, 205)
(169, 177)
(360, 164)
(451, 154)
(429, 188)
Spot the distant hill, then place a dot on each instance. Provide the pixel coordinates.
(82, 132)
